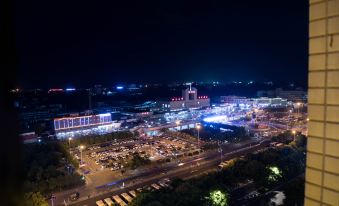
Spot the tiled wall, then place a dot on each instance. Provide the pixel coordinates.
(322, 172)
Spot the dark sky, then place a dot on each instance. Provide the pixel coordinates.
(81, 43)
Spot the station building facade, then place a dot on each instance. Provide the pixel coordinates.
(188, 100)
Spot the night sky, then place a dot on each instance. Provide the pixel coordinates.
(82, 43)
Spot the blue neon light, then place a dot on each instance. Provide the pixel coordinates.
(70, 89)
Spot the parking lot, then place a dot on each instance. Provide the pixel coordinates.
(115, 155)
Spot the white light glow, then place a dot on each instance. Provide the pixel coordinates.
(215, 118)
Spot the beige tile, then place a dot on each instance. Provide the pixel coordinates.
(333, 96)
(316, 112)
(316, 62)
(309, 202)
(314, 160)
(332, 148)
(332, 62)
(332, 113)
(316, 79)
(332, 43)
(315, 1)
(331, 181)
(330, 197)
(317, 45)
(333, 25)
(317, 28)
(332, 131)
(317, 11)
(333, 79)
(333, 8)
(315, 144)
(316, 96)
(315, 129)
(313, 176)
(312, 191)
(332, 164)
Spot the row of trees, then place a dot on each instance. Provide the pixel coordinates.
(138, 161)
(97, 139)
(183, 135)
(48, 167)
(266, 169)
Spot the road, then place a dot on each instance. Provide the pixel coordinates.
(191, 167)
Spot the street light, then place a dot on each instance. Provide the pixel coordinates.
(177, 123)
(298, 104)
(69, 144)
(294, 132)
(220, 150)
(198, 126)
(81, 148)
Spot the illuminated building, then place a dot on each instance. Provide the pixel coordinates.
(84, 125)
(188, 100)
(322, 170)
(291, 95)
(260, 102)
(269, 102)
(233, 100)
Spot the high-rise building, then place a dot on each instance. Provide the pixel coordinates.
(322, 171)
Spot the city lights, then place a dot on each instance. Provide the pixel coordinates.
(215, 118)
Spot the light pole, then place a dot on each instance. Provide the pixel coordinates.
(178, 124)
(294, 132)
(69, 144)
(81, 148)
(298, 105)
(289, 116)
(220, 150)
(198, 128)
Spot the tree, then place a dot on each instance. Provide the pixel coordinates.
(284, 138)
(34, 199)
(218, 198)
(138, 161)
(294, 192)
(300, 140)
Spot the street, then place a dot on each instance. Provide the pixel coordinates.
(190, 167)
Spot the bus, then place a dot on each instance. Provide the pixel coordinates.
(118, 200)
(108, 201)
(223, 164)
(133, 193)
(155, 186)
(127, 197)
(100, 203)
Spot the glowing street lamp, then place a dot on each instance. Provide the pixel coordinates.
(69, 143)
(198, 126)
(294, 132)
(177, 123)
(81, 148)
